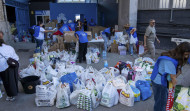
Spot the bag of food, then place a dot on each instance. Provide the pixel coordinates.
(62, 97)
(127, 96)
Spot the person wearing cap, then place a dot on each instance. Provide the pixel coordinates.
(131, 31)
(149, 39)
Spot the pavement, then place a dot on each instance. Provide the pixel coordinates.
(26, 102)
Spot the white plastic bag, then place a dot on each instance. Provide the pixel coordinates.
(127, 96)
(62, 97)
(139, 76)
(45, 96)
(141, 49)
(78, 85)
(74, 96)
(132, 40)
(119, 82)
(95, 58)
(100, 81)
(109, 95)
(96, 97)
(77, 47)
(90, 84)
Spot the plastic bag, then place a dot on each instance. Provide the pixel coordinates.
(116, 71)
(139, 76)
(119, 82)
(144, 88)
(136, 92)
(77, 47)
(78, 85)
(62, 97)
(69, 78)
(100, 81)
(127, 96)
(132, 40)
(45, 96)
(96, 97)
(95, 58)
(110, 95)
(90, 84)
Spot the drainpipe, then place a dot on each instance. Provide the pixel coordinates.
(171, 8)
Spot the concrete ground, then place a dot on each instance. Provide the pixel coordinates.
(26, 102)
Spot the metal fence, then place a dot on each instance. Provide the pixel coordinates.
(163, 4)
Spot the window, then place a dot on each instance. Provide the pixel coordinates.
(71, 1)
(164, 3)
(179, 3)
(176, 3)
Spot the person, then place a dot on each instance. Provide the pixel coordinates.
(79, 25)
(131, 31)
(85, 25)
(39, 34)
(83, 43)
(106, 34)
(92, 23)
(71, 25)
(149, 39)
(31, 31)
(167, 68)
(9, 75)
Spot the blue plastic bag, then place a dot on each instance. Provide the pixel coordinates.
(189, 60)
(136, 92)
(144, 87)
(69, 78)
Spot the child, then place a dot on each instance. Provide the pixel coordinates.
(83, 42)
(167, 68)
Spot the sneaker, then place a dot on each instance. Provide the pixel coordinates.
(10, 98)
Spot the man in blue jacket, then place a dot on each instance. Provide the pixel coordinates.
(106, 34)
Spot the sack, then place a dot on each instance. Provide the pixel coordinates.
(132, 40)
(96, 97)
(136, 93)
(144, 88)
(100, 81)
(69, 78)
(62, 97)
(127, 96)
(110, 95)
(77, 47)
(78, 85)
(45, 96)
(119, 82)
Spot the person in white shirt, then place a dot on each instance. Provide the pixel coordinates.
(9, 75)
(39, 34)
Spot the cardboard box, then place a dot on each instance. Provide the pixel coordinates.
(60, 40)
(89, 35)
(50, 24)
(96, 29)
(61, 47)
(69, 36)
(114, 48)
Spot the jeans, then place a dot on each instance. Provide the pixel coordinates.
(105, 42)
(160, 97)
(39, 44)
(131, 48)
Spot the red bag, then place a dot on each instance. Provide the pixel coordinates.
(170, 100)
